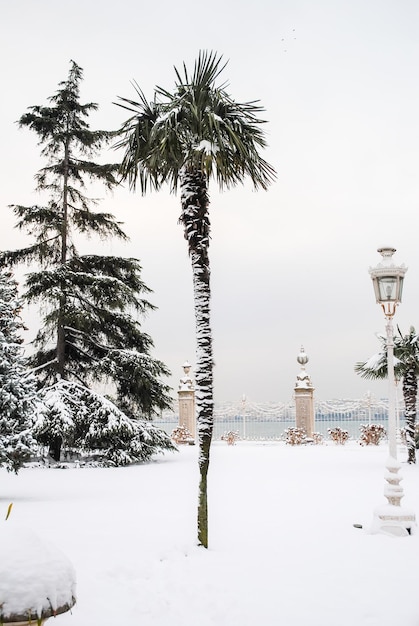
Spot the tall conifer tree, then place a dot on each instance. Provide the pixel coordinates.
(89, 330)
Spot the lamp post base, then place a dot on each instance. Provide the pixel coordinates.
(393, 519)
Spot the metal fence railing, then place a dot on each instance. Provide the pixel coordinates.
(254, 421)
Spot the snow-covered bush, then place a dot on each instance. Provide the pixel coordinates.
(231, 436)
(91, 428)
(338, 435)
(295, 436)
(182, 435)
(371, 434)
(17, 387)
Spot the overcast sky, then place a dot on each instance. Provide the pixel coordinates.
(338, 80)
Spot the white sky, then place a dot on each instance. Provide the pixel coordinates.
(289, 266)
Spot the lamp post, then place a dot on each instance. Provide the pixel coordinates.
(368, 399)
(387, 278)
(244, 415)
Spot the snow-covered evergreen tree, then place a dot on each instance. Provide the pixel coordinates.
(91, 331)
(17, 388)
(93, 429)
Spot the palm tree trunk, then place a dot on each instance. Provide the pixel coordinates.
(410, 390)
(195, 220)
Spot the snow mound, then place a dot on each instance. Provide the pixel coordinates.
(36, 578)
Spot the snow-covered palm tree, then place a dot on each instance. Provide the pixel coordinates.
(186, 138)
(406, 367)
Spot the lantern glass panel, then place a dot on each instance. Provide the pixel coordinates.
(387, 286)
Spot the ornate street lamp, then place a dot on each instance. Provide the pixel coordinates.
(387, 278)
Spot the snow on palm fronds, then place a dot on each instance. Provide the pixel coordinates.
(376, 361)
(91, 426)
(406, 368)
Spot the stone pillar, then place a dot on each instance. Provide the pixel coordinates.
(304, 400)
(186, 396)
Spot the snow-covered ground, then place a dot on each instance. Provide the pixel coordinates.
(283, 548)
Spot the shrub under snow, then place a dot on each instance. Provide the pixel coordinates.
(371, 434)
(338, 435)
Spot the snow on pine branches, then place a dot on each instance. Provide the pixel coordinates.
(92, 429)
(17, 389)
(66, 414)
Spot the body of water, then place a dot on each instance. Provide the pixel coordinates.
(253, 430)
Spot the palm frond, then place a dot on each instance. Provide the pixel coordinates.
(197, 126)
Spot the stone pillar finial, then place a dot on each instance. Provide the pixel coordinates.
(302, 358)
(303, 378)
(186, 380)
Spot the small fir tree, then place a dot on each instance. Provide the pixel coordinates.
(90, 331)
(17, 388)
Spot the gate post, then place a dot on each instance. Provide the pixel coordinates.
(186, 397)
(304, 400)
